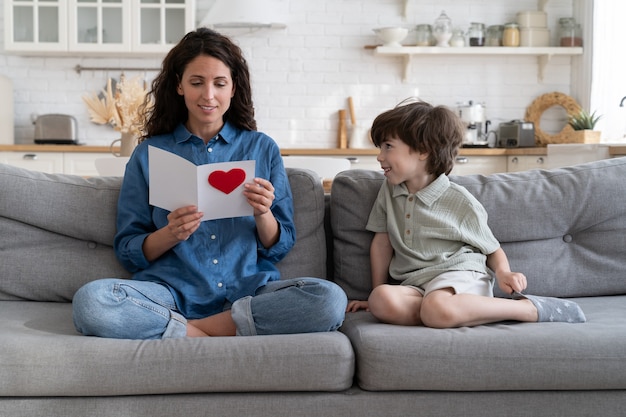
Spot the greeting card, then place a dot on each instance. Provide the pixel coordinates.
(216, 189)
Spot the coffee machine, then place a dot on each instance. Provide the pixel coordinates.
(473, 115)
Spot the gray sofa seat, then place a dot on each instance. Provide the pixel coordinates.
(497, 357)
(57, 235)
(565, 229)
(43, 356)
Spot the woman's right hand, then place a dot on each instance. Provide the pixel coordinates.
(182, 222)
(356, 305)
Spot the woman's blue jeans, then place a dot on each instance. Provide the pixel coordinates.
(128, 309)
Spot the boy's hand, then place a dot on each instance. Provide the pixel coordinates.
(356, 305)
(511, 281)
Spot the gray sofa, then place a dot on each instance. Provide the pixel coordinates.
(565, 229)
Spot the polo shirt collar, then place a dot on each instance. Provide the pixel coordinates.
(428, 195)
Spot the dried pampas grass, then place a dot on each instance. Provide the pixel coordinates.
(119, 109)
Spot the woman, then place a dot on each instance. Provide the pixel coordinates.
(214, 277)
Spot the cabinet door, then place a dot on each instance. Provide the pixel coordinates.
(50, 162)
(159, 24)
(97, 26)
(83, 163)
(468, 165)
(35, 25)
(525, 162)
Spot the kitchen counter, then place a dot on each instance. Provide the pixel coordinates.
(54, 148)
(374, 151)
(613, 150)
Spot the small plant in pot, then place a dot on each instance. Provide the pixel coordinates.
(583, 124)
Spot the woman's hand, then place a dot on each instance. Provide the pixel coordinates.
(356, 305)
(260, 195)
(182, 222)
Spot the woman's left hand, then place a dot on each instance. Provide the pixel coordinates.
(260, 195)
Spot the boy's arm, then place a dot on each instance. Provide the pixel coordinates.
(380, 258)
(381, 252)
(507, 281)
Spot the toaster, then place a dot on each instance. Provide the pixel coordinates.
(60, 129)
(516, 134)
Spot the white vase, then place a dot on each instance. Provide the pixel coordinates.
(128, 141)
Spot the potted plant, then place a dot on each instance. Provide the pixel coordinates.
(583, 124)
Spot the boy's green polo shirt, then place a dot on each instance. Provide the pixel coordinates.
(440, 228)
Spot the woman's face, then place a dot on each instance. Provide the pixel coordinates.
(207, 87)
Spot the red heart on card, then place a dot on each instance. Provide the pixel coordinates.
(226, 182)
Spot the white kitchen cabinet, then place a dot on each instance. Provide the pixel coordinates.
(35, 25)
(50, 162)
(140, 27)
(473, 164)
(526, 162)
(83, 163)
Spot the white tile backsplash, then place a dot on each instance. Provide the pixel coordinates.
(303, 75)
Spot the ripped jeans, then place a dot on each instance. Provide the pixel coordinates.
(128, 309)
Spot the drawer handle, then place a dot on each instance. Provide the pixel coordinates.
(462, 160)
(30, 157)
(540, 160)
(353, 159)
(514, 160)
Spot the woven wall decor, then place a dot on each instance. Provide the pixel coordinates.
(543, 103)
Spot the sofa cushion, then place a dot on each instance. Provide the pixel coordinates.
(496, 357)
(42, 355)
(308, 256)
(58, 232)
(352, 196)
(565, 229)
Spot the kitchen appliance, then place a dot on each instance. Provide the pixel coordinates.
(473, 115)
(516, 134)
(58, 129)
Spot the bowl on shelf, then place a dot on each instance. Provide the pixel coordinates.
(392, 36)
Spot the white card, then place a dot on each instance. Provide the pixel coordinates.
(216, 189)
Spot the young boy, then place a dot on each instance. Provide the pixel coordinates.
(432, 235)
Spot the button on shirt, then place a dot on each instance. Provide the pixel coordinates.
(223, 260)
(440, 228)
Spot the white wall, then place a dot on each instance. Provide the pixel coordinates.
(609, 67)
(303, 75)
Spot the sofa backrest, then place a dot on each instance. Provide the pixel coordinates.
(57, 232)
(565, 229)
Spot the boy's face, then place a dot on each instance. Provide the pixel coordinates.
(401, 164)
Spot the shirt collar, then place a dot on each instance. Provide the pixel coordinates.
(429, 194)
(227, 134)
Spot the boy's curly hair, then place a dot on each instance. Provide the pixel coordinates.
(435, 130)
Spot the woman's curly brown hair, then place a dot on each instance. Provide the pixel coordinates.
(164, 108)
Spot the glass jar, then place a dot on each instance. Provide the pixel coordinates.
(424, 35)
(442, 29)
(494, 35)
(570, 33)
(458, 38)
(476, 34)
(510, 35)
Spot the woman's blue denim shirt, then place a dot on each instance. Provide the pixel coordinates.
(223, 260)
